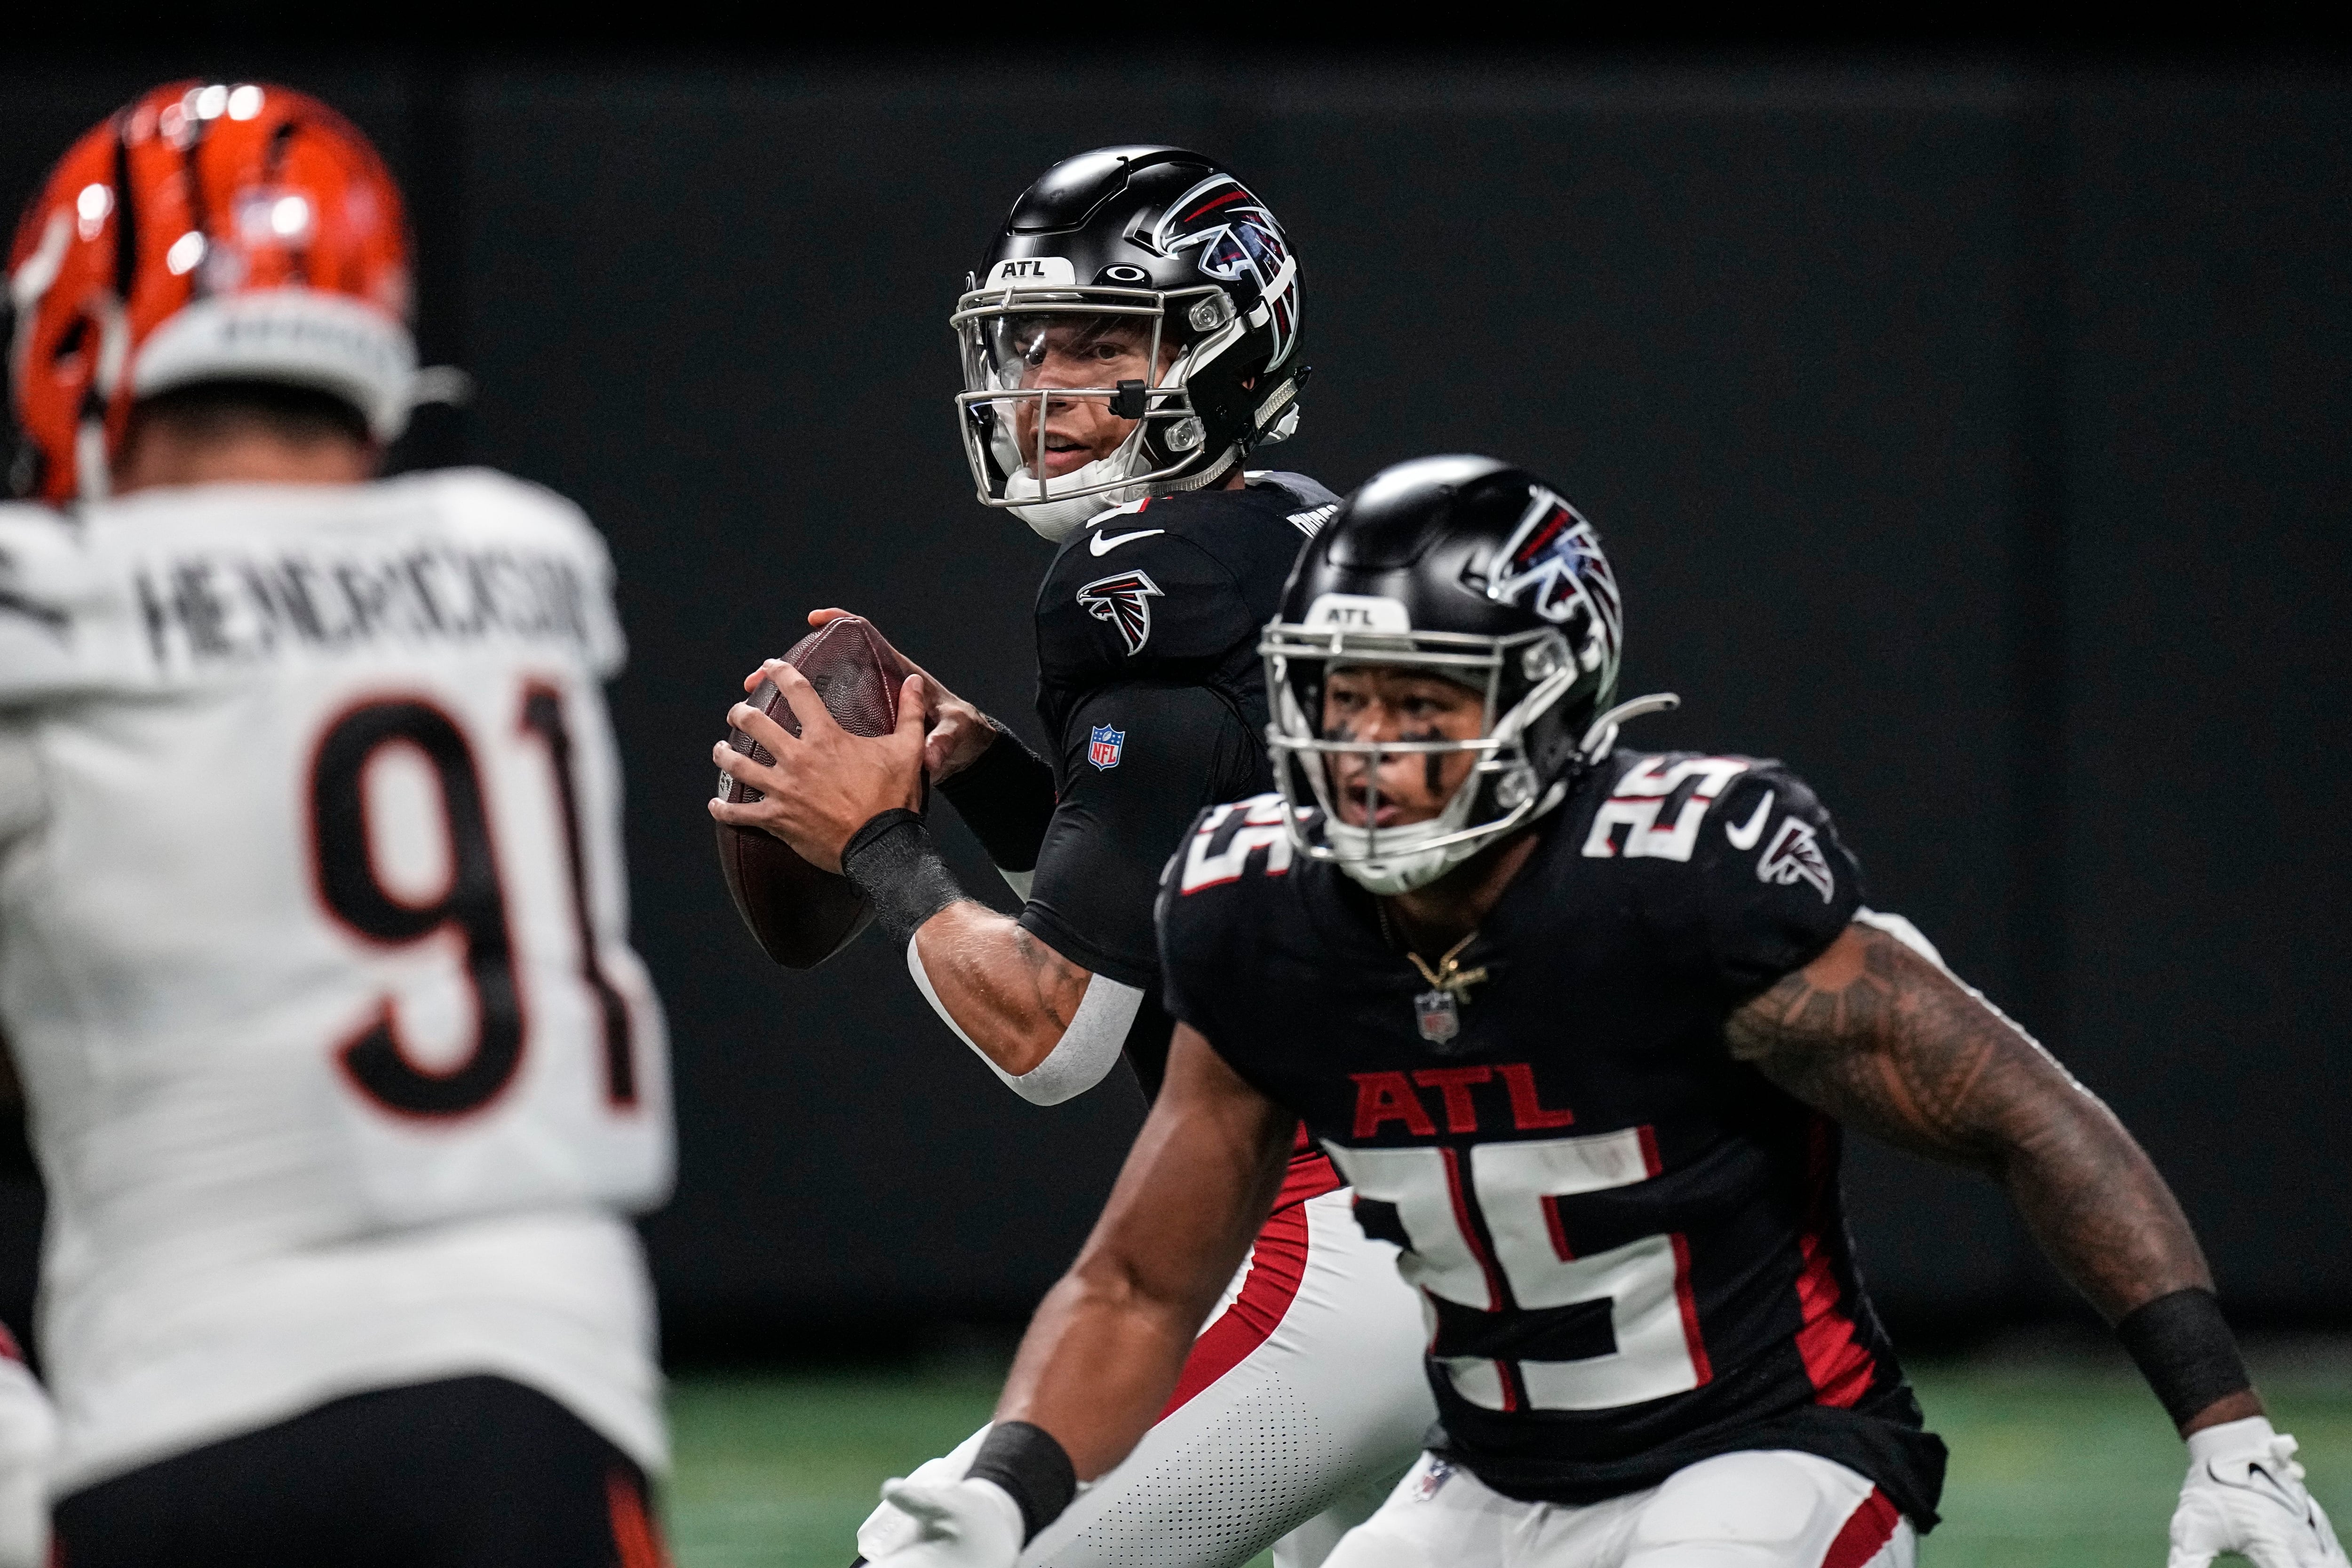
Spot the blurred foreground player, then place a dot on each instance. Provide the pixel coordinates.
(340, 1068)
(1132, 336)
(28, 1433)
(1581, 1027)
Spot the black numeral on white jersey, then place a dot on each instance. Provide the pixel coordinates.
(472, 903)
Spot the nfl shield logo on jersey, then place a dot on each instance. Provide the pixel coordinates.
(1104, 745)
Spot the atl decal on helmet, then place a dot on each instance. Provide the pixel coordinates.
(1124, 601)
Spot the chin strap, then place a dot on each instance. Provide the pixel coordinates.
(1602, 738)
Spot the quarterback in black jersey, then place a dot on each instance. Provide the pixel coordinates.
(1132, 336)
(1581, 1026)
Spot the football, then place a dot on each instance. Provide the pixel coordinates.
(800, 914)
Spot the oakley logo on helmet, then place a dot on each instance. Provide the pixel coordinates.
(1123, 601)
(1796, 856)
(1238, 239)
(1552, 565)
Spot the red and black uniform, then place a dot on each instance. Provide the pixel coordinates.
(1153, 697)
(1631, 1245)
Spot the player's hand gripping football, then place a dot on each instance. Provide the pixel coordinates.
(949, 1524)
(826, 783)
(957, 731)
(2245, 1494)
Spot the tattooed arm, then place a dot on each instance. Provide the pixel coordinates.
(1887, 1042)
(1009, 993)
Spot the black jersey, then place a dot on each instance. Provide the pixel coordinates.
(1153, 699)
(1632, 1244)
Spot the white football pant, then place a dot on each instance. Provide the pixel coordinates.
(1303, 1400)
(1773, 1509)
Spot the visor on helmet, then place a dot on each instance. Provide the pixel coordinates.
(1034, 359)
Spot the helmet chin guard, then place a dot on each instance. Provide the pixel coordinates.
(1466, 571)
(1137, 284)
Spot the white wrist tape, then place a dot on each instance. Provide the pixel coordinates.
(1079, 1060)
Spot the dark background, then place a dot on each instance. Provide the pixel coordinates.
(1970, 432)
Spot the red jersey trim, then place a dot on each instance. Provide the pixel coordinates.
(1841, 1371)
(1276, 1266)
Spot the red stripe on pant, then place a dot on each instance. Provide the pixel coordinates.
(1277, 1263)
(1867, 1530)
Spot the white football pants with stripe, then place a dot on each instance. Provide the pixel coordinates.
(1303, 1402)
(1772, 1509)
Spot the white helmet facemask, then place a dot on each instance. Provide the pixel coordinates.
(1502, 791)
(1006, 332)
(1097, 485)
(1388, 861)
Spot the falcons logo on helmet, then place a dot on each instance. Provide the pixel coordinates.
(1125, 602)
(1239, 242)
(1553, 565)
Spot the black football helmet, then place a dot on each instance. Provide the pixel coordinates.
(1162, 249)
(1470, 570)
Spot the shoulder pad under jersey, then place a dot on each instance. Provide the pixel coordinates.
(1748, 861)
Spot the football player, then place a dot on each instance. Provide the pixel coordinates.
(1582, 1027)
(340, 1068)
(1131, 337)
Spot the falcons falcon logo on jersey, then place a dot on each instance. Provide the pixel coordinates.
(1795, 856)
(1125, 602)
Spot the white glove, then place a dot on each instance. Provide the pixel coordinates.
(957, 1524)
(2245, 1494)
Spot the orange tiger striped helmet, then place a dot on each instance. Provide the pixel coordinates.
(206, 232)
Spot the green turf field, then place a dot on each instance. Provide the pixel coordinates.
(2056, 1463)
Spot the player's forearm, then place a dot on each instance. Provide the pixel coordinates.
(1105, 1350)
(1010, 995)
(1097, 1365)
(2096, 1205)
(1890, 1044)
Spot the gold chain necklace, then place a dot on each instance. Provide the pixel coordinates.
(1438, 1010)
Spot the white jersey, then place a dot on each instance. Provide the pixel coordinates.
(313, 956)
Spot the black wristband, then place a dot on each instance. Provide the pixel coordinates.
(2185, 1350)
(891, 860)
(1032, 1467)
(1006, 799)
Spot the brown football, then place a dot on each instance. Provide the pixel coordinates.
(802, 915)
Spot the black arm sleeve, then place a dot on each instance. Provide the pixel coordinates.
(1006, 799)
(1177, 748)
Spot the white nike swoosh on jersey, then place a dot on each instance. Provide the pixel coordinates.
(1103, 544)
(1744, 836)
